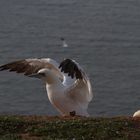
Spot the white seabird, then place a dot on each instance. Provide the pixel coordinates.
(64, 44)
(68, 87)
(137, 114)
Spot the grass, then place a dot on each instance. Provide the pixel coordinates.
(68, 128)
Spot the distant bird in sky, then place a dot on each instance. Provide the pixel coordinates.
(64, 44)
(68, 87)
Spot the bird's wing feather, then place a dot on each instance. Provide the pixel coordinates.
(81, 89)
(31, 66)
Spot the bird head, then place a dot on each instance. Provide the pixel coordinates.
(48, 75)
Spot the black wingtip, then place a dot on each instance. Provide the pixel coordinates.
(3, 67)
(70, 67)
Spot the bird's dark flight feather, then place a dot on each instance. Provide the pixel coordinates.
(70, 67)
(21, 66)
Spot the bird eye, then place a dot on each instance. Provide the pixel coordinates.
(42, 74)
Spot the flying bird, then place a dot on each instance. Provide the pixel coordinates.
(68, 87)
(64, 44)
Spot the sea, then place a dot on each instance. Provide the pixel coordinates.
(103, 36)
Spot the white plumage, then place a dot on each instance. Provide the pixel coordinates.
(64, 44)
(137, 114)
(68, 87)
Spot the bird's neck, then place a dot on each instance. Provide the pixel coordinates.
(54, 85)
(55, 91)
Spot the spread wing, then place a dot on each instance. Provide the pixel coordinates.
(31, 66)
(81, 89)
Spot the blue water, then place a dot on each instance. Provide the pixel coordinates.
(103, 36)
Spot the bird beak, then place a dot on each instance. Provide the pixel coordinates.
(36, 75)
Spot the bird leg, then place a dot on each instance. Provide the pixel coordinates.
(73, 113)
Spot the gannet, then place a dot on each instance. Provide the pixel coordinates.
(137, 114)
(68, 87)
(64, 44)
